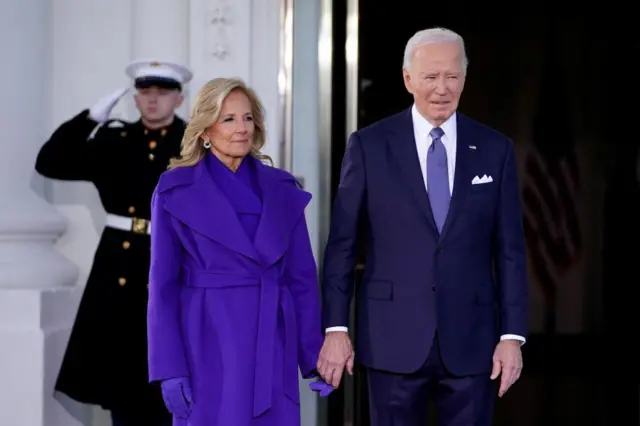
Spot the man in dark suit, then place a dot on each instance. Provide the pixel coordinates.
(443, 305)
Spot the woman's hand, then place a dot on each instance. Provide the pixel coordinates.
(177, 396)
(321, 387)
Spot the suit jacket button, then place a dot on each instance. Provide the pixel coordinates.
(433, 288)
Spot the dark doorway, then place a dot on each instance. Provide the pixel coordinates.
(541, 80)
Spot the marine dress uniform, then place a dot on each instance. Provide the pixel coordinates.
(106, 358)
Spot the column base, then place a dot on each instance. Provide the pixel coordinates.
(29, 227)
(35, 327)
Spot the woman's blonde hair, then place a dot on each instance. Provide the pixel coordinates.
(206, 111)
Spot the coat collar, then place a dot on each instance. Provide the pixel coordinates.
(194, 198)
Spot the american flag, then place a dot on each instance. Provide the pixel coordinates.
(551, 185)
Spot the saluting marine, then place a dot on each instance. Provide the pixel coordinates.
(106, 358)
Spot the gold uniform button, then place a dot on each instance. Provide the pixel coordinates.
(122, 281)
(151, 157)
(126, 245)
(153, 144)
(146, 131)
(163, 132)
(132, 210)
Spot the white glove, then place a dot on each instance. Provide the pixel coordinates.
(100, 111)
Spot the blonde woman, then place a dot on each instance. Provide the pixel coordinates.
(233, 292)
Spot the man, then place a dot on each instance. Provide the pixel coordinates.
(106, 358)
(442, 308)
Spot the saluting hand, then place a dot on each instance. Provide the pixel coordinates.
(102, 109)
(336, 355)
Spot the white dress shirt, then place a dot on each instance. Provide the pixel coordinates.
(421, 130)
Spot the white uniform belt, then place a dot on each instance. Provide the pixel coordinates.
(132, 224)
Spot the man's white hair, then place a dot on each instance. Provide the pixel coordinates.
(430, 36)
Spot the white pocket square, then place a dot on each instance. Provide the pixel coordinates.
(484, 179)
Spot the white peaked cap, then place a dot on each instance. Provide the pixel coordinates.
(158, 71)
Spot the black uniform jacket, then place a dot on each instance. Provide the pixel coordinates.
(106, 359)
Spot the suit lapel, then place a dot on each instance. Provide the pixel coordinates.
(282, 206)
(463, 173)
(204, 208)
(403, 145)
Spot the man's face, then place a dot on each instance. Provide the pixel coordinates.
(436, 80)
(157, 104)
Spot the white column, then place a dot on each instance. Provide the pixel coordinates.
(160, 30)
(266, 60)
(35, 281)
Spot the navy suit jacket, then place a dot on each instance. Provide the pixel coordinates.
(469, 283)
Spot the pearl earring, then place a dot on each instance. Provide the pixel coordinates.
(207, 145)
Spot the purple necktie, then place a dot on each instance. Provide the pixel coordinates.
(438, 178)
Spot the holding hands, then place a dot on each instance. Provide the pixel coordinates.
(336, 355)
(321, 387)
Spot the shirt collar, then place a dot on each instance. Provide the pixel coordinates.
(423, 127)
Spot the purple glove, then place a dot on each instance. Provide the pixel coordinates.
(321, 387)
(177, 396)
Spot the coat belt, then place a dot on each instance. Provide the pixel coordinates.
(273, 298)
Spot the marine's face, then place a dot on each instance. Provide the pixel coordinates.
(157, 104)
(231, 135)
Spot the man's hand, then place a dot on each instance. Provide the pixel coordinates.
(102, 109)
(336, 354)
(507, 362)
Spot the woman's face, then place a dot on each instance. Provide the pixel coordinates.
(231, 136)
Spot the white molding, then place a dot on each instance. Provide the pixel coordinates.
(219, 40)
(239, 38)
(219, 19)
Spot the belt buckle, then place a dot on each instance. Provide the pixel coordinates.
(139, 226)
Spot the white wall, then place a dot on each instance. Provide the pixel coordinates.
(86, 46)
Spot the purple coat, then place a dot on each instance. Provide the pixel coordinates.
(233, 292)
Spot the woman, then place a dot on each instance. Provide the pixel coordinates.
(233, 292)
